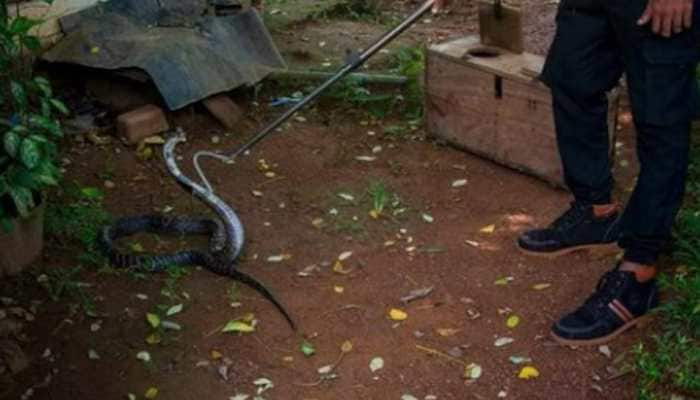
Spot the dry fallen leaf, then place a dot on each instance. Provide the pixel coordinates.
(151, 393)
(446, 332)
(503, 341)
(338, 289)
(473, 371)
(397, 315)
(346, 347)
(512, 321)
(529, 373)
(376, 364)
(541, 286)
(488, 229)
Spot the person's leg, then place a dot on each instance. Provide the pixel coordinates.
(664, 93)
(660, 74)
(583, 64)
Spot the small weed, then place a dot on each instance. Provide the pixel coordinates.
(171, 285)
(77, 217)
(354, 91)
(63, 283)
(379, 195)
(410, 62)
(354, 10)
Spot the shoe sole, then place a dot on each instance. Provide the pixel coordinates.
(635, 323)
(600, 249)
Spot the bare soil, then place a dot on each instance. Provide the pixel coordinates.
(299, 214)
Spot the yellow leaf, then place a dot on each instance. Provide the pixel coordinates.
(346, 347)
(249, 317)
(339, 289)
(374, 214)
(137, 248)
(151, 393)
(529, 373)
(215, 355)
(488, 229)
(153, 338)
(153, 320)
(445, 332)
(512, 321)
(238, 326)
(338, 268)
(503, 281)
(541, 286)
(397, 315)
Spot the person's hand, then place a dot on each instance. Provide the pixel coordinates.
(439, 5)
(668, 17)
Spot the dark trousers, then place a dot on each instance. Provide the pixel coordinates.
(596, 42)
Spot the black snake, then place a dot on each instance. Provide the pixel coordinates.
(225, 243)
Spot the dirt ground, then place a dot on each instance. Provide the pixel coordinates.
(459, 241)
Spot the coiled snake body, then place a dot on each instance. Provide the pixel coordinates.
(225, 243)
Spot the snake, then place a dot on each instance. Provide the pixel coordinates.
(226, 235)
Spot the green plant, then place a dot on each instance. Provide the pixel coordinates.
(354, 91)
(410, 62)
(28, 127)
(77, 218)
(380, 197)
(63, 283)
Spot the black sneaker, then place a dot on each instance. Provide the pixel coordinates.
(579, 228)
(619, 303)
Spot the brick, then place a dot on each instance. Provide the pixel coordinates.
(142, 123)
(225, 110)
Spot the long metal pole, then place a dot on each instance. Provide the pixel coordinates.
(349, 67)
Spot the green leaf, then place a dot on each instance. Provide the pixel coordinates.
(11, 142)
(46, 173)
(44, 85)
(176, 309)
(18, 94)
(58, 105)
(47, 124)
(22, 25)
(91, 193)
(307, 349)
(31, 42)
(29, 153)
(153, 320)
(4, 188)
(5, 225)
(238, 326)
(21, 176)
(23, 199)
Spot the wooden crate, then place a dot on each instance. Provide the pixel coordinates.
(494, 107)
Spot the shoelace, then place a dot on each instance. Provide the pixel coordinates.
(609, 287)
(571, 217)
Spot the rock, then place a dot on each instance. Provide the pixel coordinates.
(142, 123)
(13, 356)
(225, 110)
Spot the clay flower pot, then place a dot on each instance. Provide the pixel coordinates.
(23, 245)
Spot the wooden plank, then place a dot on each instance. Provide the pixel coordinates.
(454, 99)
(515, 66)
(504, 30)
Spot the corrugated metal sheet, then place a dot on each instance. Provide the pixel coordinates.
(188, 56)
